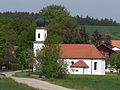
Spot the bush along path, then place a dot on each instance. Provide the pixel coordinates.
(35, 83)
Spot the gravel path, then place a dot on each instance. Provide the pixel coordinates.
(35, 83)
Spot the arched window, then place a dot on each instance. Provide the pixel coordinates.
(39, 35)
(95, 65)
(72, 62)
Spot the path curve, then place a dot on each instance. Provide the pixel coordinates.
(35, 83)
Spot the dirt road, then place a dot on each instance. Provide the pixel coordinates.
(35, 83)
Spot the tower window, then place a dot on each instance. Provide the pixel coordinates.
(39, 35)
(95, 65)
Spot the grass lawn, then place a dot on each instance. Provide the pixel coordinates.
(113, 30)
(86, 82)
(6, 70)
(9, 84)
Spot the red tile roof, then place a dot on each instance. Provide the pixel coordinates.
(79, 51)
(80, 63)
(116, 43)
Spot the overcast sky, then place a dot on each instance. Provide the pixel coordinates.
(93, 8)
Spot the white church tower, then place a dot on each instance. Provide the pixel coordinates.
(40, 36)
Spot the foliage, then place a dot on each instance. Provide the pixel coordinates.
(77, 36)
(117, 62)
(26, 38)
(92, 21)
(114, 61)
(110, 62)
(53, 39)
(10, 33)
(107, 40)
(52, 11)
(50, 64)
(56, 10)
(20, 25)
(3, 45)
(96, 38)
(61, 24)
(21, 15)
(24, 58)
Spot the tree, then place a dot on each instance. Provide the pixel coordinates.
(77, 36)
(110, 62)
(69, 37)
(114, 61)
(61, 24)
(10, 33)
(96, 38)
(51, 65)
(117, 62)
(84, 36)
(26, 38)
(107, 40)
(3, 44)
(24, 57)
(52, 11)
(53, 39)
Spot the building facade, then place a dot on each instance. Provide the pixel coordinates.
(80, 58)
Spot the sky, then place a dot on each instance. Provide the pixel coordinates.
(93, 8)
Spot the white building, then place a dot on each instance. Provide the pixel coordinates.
(83, 59)
(116, 45)
(80, 58)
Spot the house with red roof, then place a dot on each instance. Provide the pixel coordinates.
(105, 50)
(80, 58)
(83, 59)
(116, 45)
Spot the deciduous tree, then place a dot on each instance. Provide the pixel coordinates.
(51, 65)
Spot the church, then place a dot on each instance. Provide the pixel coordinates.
(80, 58)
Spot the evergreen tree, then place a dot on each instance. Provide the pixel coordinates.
(107, 40)
(77, 36)
(96, 38)
(84, 36)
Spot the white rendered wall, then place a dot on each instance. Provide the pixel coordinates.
(43, 34)
(36, 47)
(90, 62)
(116, 49)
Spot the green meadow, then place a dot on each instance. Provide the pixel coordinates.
(113, 30)
(10, 84)
(89, 82)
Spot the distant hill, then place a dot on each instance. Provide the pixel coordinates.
(113, 30)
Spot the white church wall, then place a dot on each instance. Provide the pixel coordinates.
(37, 47)
(77, 70)
(100, 68)
(90, 62)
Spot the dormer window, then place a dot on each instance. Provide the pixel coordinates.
(106, 53)
(39, 35)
